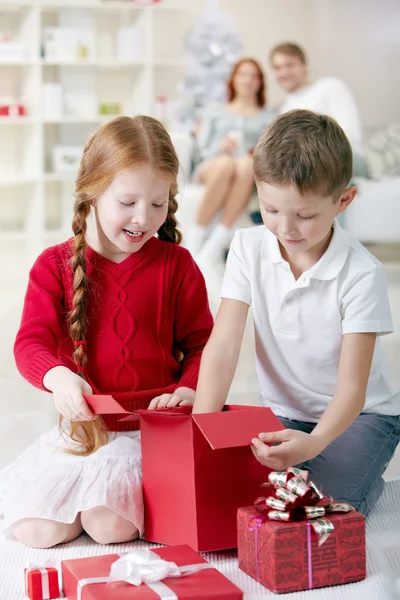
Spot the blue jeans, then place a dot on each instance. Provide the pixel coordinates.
(351, 468)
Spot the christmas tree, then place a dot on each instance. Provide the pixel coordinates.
(213, 46)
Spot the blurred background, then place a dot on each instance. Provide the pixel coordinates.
(68, 66)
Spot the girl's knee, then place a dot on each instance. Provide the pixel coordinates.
(43, 533)
(225, 165)
(244, 168)
(107, 527)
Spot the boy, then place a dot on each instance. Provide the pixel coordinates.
(319, 303)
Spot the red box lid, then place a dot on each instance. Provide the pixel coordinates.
(236, 428)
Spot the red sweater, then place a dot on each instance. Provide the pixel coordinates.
(141, 312)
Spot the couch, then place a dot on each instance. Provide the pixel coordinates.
(374, 216)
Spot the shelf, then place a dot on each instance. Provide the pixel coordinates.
(60, 177)
(169, 62)
(13, 236)
(18, 120)
(18, 180)
(15, 180)
(18, 63)
(105, 118)
(106, 6)
(68, 63)
(112, 6)
(114, 64)
(15, 7)
(43, 197)
(102, 64)
(72, 119)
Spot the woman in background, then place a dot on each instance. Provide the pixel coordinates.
(226, 139)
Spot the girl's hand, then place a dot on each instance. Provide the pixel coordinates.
(181, 397)
(228, 145)
(293, 447)
(68, 389)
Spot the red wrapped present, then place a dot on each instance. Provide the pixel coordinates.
(174, 573)
(288, 544)
(41, 581)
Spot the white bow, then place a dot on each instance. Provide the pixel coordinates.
(47, 564)
(142, 566)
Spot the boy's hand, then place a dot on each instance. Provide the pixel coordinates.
(293, 447)
(68, 389)
(181, 397)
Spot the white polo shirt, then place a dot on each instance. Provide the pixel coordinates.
(299, 325)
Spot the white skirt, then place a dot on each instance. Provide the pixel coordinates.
(46, 482)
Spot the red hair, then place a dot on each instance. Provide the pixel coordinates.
(261, 91)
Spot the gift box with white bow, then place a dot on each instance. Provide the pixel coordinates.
(174, 573)
(41, 581)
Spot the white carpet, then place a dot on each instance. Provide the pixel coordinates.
(383, 560)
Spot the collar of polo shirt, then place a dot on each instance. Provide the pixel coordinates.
(328, 266)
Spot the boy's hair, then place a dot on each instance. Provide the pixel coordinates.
(289, 49)
(119, 145)
(305, 149)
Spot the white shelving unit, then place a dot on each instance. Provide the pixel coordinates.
(36, 197)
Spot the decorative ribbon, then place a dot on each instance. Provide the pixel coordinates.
(258, 521)
(144, 566)
(292, 498)
(44, 573)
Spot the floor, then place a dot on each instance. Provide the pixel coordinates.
(27, 412)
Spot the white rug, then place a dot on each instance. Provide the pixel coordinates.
(383, 560)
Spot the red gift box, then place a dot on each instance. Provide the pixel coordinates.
(204, 473)
(286, 557)
(306, 541)
(41, 583)
(207, 583)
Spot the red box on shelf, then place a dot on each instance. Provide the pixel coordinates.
(12, 110)
(206, 584)
(285, 557)
(41, 583)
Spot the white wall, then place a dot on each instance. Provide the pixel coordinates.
(359, 41)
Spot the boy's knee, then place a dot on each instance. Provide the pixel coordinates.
(107, 527)
(42, 533)
(365, 502)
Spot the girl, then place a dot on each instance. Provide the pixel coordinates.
(226, 138)
(113, 310)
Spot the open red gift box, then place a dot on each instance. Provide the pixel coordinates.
(197, 470)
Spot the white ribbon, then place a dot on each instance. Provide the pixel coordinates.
(144, 566)
(45, 576)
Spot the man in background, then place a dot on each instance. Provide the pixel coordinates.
(327, 95)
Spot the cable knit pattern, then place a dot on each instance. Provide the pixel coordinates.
(125, 332)
(142, 313)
